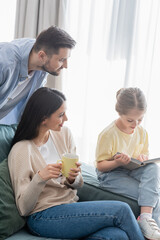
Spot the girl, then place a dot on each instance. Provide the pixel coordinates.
(126, 136)
(48, 199)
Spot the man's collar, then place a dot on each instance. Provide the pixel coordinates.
(25, 58)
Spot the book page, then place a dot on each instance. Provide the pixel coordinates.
(155, 160)
(132, 165)
(135, 163)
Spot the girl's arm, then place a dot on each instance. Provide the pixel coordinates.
(110, 164)
(107, 165)
(143, 156)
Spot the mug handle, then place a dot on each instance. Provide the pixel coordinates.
(60, 160)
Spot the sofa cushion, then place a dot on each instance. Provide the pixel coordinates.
(92, 193)
(10, 220)
(6, 135)
(24, 234)
(92, 190)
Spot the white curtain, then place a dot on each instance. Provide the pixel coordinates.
(33, 16)
(143, 66)
(118, 45)
(7, 20)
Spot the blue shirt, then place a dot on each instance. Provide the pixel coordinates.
(14, 68)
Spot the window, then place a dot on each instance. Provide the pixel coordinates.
(7, 20)
(117, 46)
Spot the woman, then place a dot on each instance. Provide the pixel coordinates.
(47, 198)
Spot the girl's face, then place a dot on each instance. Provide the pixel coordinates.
(131, 120)
(56, 120)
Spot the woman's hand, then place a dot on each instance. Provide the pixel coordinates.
(50, 171)
(74, 172)
(122, 159)
(142, 157)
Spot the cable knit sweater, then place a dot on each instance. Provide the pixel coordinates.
(32, 193)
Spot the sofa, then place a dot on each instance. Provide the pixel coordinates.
(12, 225)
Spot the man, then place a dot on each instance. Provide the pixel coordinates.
(24, 65)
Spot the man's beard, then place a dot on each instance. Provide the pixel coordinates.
(44, 68)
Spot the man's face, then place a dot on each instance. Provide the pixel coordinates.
(56, 62)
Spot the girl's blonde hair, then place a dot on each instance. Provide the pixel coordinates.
(130, 98)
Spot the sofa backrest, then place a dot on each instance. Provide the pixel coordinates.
(6, 135)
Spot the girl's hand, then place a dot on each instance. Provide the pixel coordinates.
(50, 171)
(122, 159)
(74, 172)
(142, 157)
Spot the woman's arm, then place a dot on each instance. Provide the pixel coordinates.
(78, 183)
(27, 184)
(75, 179)
(27, 199)
(27, 192)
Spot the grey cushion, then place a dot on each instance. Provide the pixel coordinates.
(6, 135)
(23, 234)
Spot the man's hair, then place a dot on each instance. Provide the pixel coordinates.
(52, 39)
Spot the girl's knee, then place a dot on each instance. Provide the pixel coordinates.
(154, 169)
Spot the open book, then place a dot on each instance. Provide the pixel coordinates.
(135, 163)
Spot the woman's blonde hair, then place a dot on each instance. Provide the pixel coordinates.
(130, 98)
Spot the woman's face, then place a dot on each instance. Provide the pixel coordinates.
(56, 120)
